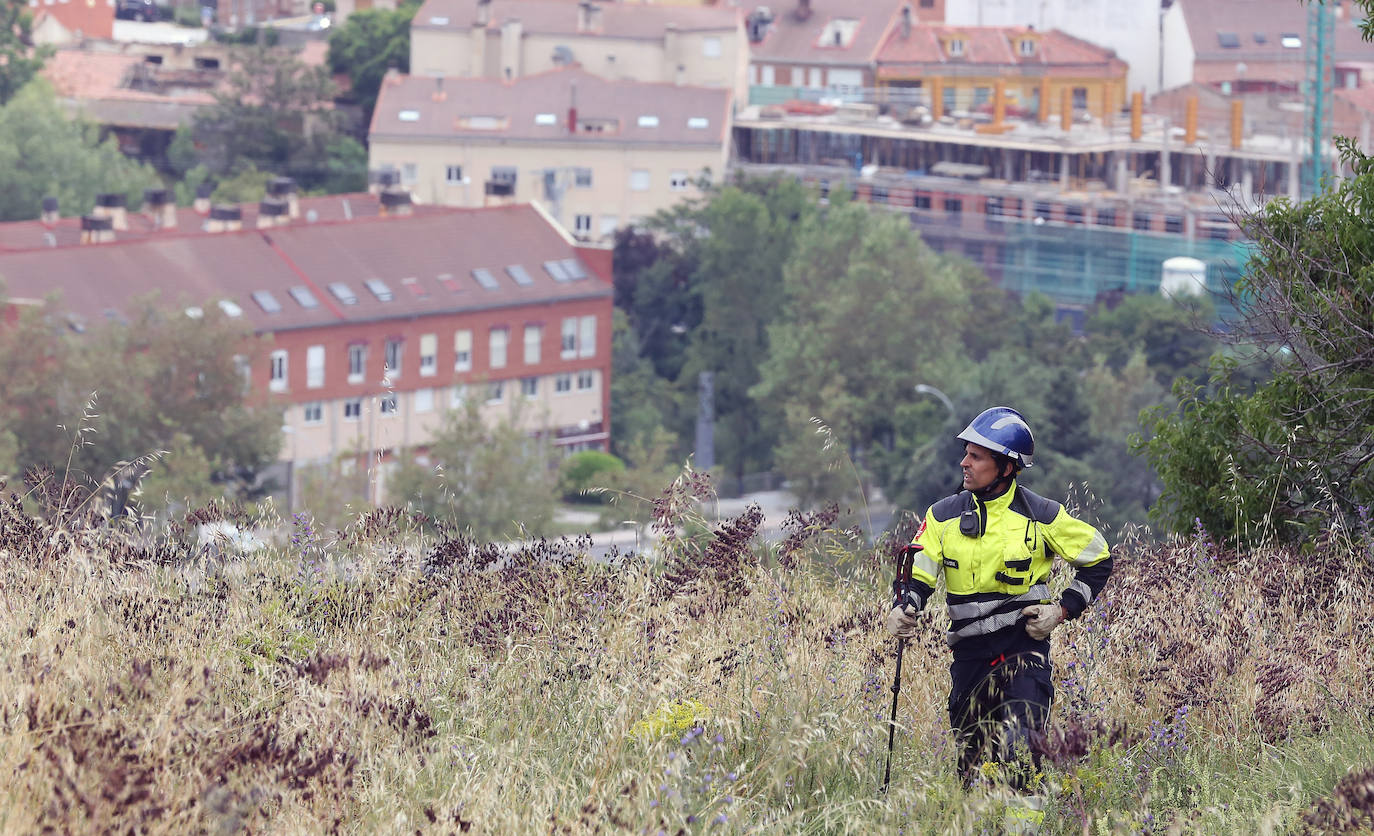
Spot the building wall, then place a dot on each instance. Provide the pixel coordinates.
(1179, 54)
(609, 202)
(1130, 28)
(582, 409)
(469, 53)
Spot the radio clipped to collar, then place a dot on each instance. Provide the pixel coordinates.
(973, 522)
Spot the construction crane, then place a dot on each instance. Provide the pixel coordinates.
(1321, 38)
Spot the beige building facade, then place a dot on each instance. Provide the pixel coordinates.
(634, 148)
(510, 39)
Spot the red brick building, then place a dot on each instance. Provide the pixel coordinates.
(379, 321)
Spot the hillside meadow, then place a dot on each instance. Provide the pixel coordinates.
(395, 678)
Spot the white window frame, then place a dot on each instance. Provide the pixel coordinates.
(496, 391)
(586, 336)
(582, 224)
(678, 181)
(582, 178)
(429, 355)
(767, 75)
(640, 180)
(497, 342)
(956, 47)
(453, 175)
(424, 400)
(562, 383)
(458, 396)
(462, 350)
(534, 339)
(568, 338)
(586, 380)
(276, 370)
(710, 47)
(609, 224)
(312, 414)
(392, 355)
(314, 367)
(529, 387)
(410, 174)
(357, 363)
(389, 404)
(355, 405)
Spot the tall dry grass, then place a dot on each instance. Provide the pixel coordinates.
(377, 680)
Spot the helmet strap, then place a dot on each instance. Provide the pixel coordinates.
(1003, 481)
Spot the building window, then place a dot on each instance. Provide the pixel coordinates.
(567, 346)
(710, 47)
(353, 409)
(1173, 223)
(1080, 98)
(429, 355)
(534, 337)
(496, 390)
(393, 356)
(582, 225)
(678, 181)
(1105, 217)
(1043, 210)
(954, 205)
(277, 375)
(497, 343)
(462, 351)
(1027, 47)
(767, 74)
(639, 180)
(582, 178)
(504, 174)
(314, 367)
(410, 173)
(1140, 221)
(956, 47)
(920, 201)
(586, 380)
(562, 383)
(424, 400)
(453, 175)
(1073, 214)
(458, 396)
(314, 413)
(357, 363)
(387, 404)
(877, 194)
(609, 224)
(529, 386)
(586, 337)
(981, 96)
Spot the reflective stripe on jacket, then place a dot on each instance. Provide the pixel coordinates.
(990, 578)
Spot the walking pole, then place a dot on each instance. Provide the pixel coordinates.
(904, 561)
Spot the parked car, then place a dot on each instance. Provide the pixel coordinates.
(136, 10)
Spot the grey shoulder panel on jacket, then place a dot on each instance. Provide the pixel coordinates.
(949, 507)
(1031, 504)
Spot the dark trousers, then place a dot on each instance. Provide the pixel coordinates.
(995, 706)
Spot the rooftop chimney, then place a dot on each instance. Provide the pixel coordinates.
(396, 203)
(483, 12)
(50, 215)
(97, 229)
(224, 218)
(112, 205)
(273, 211)
(284, 188)
(439, 94)
(384, 179)
(588, 16)
(803, 10)
(906, 22)
(202, 202)
(160, 208)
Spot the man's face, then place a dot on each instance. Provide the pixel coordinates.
(979, 466)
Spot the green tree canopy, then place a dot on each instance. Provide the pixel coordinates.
(369, 43)
(20, 58)
(46, 153)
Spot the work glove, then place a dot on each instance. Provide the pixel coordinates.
(901, 621)
(1043, 619)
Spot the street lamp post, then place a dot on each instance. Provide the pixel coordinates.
(926, 389)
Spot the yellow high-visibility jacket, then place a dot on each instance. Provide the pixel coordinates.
(996, 557)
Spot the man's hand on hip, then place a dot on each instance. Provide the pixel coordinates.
(1043, 619)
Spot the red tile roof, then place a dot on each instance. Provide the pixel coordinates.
(536, 107)
(1270, 19)
(88, 18)
(98, 82)
(995, 46)
(559, 17)
(795, 39)
(439, 250)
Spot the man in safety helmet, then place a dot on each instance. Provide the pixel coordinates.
(994, 542)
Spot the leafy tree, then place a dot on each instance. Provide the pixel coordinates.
(654, 273)
(586, 470)
(1292, 456)
(369, 43)
(642, 403)
(491, 478)
(1174, 335)
(43, 153)
(20, 59)
(275, 114)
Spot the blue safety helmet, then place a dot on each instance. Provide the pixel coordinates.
(1001, 429)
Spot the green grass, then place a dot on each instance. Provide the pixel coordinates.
(382, 682)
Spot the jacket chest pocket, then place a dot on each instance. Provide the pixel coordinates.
(1018, 557)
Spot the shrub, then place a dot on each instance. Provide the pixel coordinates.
(585, 470)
